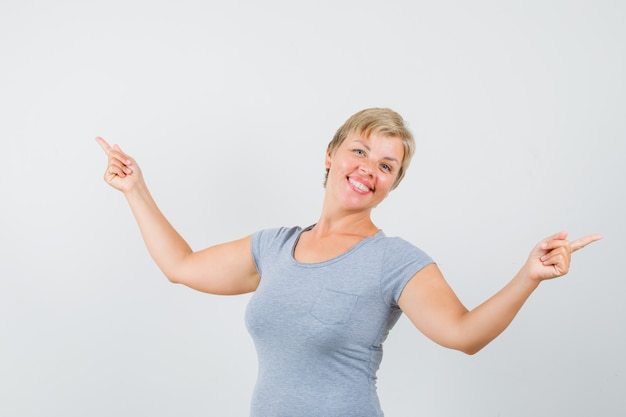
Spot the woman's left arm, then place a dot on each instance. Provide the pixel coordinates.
(433, 307)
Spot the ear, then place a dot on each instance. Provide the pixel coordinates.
(328, 159)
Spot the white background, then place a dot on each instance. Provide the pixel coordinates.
(519, 112)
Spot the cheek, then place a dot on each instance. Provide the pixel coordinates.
(343, 165)
(388, 182)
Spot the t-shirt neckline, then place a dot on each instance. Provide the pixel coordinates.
(337, 258)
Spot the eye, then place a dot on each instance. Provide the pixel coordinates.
(359, 152)
(386, 167)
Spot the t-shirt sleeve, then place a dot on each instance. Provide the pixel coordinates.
(401, 262)
(267, 243)
(256, 248)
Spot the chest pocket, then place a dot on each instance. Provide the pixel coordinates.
(333, 307)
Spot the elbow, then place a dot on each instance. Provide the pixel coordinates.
(473, 347)
(470, 343)
(174, 279)
(468, 348)
(471, 350)
(174, 273)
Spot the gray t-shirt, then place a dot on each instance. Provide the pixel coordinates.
(318, 328)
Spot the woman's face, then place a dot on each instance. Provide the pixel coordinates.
(362, 169)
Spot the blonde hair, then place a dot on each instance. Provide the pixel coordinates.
(381, 121)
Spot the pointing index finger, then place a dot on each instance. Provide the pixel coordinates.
(103, 144)
(584, 241)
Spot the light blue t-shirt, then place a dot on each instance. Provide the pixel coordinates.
(318, 328)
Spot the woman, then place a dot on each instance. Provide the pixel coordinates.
(326, 296)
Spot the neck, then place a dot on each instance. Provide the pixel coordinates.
(342, 222)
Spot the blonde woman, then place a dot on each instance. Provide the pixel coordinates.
(326, 295)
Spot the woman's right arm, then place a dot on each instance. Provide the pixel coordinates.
(227, 268)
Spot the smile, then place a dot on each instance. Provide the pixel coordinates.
(358, 185)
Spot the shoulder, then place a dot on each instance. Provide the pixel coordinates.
(274, 237)
(401, 261)
(397, 249)
(280, 233)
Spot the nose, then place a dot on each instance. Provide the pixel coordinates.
(366, 168)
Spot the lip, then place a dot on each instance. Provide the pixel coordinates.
(361, 181)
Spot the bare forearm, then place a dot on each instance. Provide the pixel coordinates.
(226, 268)
(165, 245)
(484, 323)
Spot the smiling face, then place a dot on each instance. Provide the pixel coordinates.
(363, 169)
(381, 121)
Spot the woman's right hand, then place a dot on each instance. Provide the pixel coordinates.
(122, 172)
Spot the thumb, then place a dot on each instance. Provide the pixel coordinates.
(562, 235)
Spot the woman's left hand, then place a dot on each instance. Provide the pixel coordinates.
(551, 257)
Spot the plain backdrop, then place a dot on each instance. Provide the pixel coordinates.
(519, 111)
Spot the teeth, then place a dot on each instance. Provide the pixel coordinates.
(358, 185)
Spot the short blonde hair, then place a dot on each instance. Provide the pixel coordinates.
(381, 121)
